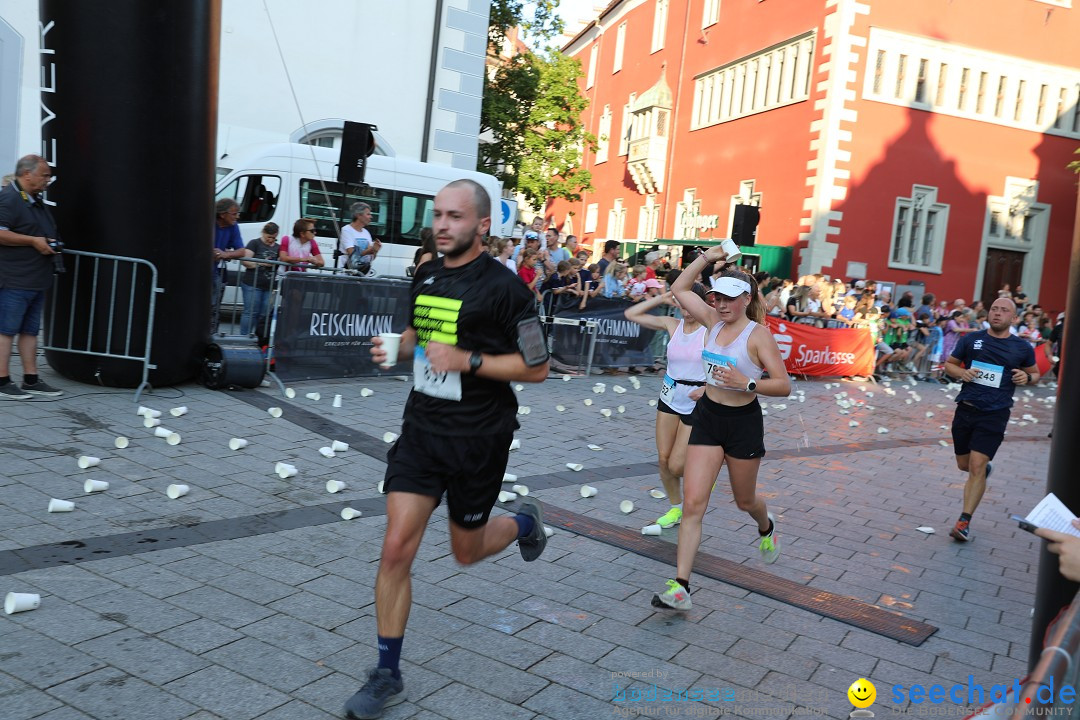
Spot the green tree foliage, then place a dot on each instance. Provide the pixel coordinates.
(532, 107)
(1075, 164)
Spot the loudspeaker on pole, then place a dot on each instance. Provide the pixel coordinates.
(744, 225)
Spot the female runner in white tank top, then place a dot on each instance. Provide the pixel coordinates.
(727, 421)
(684, 383)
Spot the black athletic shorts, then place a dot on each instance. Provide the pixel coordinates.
(978, 430)
(739, 430)
(665, 408)
(468, 469)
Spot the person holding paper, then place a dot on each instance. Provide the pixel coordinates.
(990, 364)
(1066, 547)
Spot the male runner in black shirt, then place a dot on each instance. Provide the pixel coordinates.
(474, 330)
(990, 364)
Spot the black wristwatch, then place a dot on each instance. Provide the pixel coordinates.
(475, 361)
(751, 386)
(1028, 378)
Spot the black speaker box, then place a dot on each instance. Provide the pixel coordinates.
(357, 144)
(744, 226)
(233, 361)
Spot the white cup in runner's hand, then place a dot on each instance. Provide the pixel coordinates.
(732, 250)
(390, 343)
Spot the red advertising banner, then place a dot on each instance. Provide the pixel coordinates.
(808, 350)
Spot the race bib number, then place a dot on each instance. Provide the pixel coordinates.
(442, 385)
(986, 374)
(712, 362)
(667, 390)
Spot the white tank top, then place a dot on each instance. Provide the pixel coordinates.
(732, 354)
(683, 366)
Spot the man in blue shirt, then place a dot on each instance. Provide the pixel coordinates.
(228, 244)
(990, 364)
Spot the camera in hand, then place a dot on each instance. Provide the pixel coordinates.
(58, 260)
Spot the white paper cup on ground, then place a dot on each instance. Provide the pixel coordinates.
(651, 530)
(560, 408)
(327, 452)
(335, 486)
(509, 477)
(290, 393)
(548, 532)
(121, 442)
(390, 343)
(150, 422)
(173, 438)
(238, 444)
(178, 411)
(506, 496)
(732, 250)
(177, 490)
(350, 513)
(576, 467)
(287, 471)
(275, 412)
(93, 486)
(21, 602)
(366, 392)
(626, 506)
(56, 505)
(313, 396)
(381, 487)
(148, 412)
(515, 444)
(389, 437)
(587, 491)
(658, 493)
(89, 461)
(520, 490)
(162, 432)
(337, 401)
(338, 446)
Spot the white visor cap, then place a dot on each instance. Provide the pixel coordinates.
(729, 286)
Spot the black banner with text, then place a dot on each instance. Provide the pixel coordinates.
(619, 342)
(325, 325)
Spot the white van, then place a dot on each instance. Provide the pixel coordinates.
(283, 182)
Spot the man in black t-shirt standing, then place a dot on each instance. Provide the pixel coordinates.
(474, 330)
(990, 364)
(27, 230)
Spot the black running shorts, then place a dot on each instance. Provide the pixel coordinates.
(468, 469)
(739, 430)
(663, 407)
(978, 430)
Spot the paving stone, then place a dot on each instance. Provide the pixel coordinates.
(487, 674)
(575, 674)
(514, 650)
(220, 606)
(157, 582)
(227, 694)
(729, 669)
(43, 662)
(144, 657)
(572, 643)
(110, 694)
(488, 615)
(199, 636)
(561, 702)
(297, 637)
(20, 700)
(267, 664)
(459, 702)
(654, 644)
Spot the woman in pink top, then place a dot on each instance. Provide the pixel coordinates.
(301, 248)
(728, 425)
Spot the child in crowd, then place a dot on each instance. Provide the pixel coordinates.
(637, 286)
(527, 271)
(615, 281)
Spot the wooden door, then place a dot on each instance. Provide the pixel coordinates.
(1002, 266)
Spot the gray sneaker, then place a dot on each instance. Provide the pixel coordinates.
(380, 691)
(42, 388)
(533, 544)
(11, 391)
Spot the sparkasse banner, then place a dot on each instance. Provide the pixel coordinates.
(808, 350)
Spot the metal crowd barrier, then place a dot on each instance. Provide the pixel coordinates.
(588, 330)
(117, 344)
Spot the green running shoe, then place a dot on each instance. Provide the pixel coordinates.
(670, 519)
(770, 544)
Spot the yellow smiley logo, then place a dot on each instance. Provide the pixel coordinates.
(862, 693)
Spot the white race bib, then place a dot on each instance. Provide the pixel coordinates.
(667, 391)
(443, 385)
(986, 374)
(714, 361)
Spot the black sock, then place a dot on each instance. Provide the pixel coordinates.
(965, 517)
(6, 380)
(767, 532)
(390, 654)
(29, 379)
(685, 584)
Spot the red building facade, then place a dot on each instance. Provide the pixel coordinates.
(907, 141)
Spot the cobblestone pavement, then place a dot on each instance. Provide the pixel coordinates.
(150, 610)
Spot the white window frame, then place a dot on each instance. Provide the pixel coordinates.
(616, 221)
(592, 213)
(711, 13)
(603, 136)
(620, 47)
(594, 56)
(909, 237)
(624, 129)
(659, 29)
(648, 219)
(772, 78)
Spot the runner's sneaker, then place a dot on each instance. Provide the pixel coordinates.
(670, 519)
(989, 468)
(11, 391)
(533, 544)
(675, 597)
(42, 388)
(381, 690)
(961, 532)
(770, 544)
